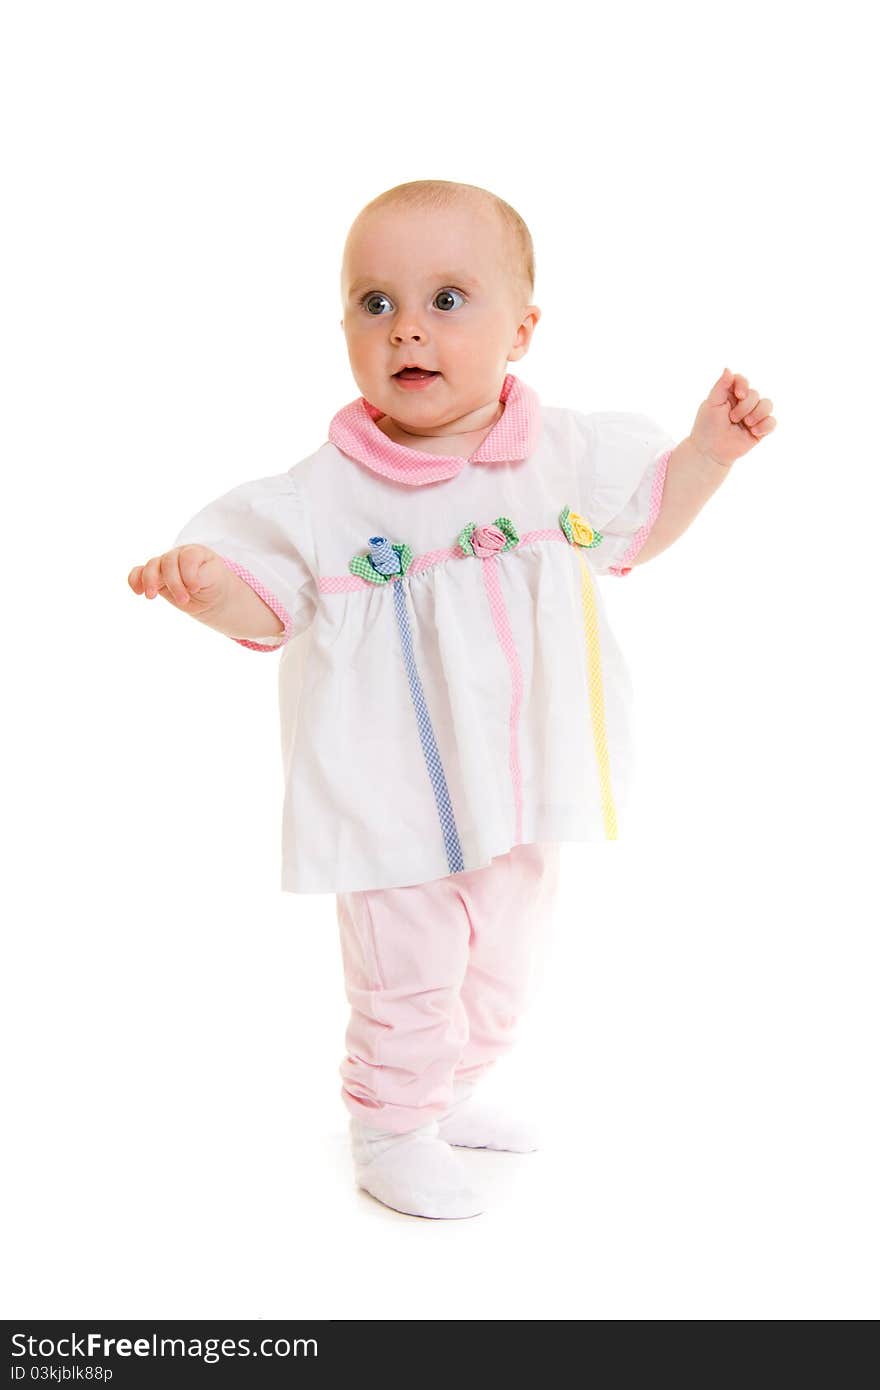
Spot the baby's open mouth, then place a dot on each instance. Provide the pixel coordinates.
(414, 373)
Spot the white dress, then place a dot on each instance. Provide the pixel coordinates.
(449, 685)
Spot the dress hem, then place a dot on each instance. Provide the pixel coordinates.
(287, 879)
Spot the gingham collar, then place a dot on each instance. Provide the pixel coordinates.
(354, 432)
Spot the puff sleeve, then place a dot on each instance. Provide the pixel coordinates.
(260, 530)
(627, 456)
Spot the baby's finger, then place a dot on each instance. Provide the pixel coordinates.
(170, 573)
(150, 577)
(190, 560)
(135, 581)
(740, 386)
(761, 410)
(743, 408)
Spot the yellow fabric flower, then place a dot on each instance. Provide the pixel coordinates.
(582, 532)
(577, 529)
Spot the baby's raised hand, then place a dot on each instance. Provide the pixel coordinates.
(190, 577)
(731, 420)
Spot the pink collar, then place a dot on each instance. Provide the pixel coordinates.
(354, 432)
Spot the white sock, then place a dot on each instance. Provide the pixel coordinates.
(416, 1173)
(474, 1124)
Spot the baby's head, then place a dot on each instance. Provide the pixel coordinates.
(438, 274)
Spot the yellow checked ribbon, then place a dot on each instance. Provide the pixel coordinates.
(582, 536)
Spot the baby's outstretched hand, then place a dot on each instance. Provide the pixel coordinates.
(190, 577)
(731, 420)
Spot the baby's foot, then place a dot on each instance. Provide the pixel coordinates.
(416, 1173)
(474, 1124)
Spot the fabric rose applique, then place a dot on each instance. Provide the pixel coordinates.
(385, 560)
(578, 530)
(484, 541)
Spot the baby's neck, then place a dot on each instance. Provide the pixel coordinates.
(446, 445)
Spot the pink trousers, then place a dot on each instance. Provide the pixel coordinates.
(437, 975)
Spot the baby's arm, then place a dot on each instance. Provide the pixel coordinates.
(196, 581)
(691, 479)
(731, 421)
(243, 613)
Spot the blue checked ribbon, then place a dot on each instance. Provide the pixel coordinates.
(426, 731)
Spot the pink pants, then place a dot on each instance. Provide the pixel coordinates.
(437, 975)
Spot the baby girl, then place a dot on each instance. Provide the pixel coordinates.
(453, 702)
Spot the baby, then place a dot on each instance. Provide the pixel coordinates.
(454, 705)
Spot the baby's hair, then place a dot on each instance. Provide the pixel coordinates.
(444, 193)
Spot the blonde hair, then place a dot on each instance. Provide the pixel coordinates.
(444, 193)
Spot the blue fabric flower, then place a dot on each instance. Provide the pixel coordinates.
(385, 560)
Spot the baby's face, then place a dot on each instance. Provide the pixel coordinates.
(432, 287)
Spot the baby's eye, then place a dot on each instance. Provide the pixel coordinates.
(445, 294)
(374, 296)
(371, 299)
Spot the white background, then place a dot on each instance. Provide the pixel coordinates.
(179, 179)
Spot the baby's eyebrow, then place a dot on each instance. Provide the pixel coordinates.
(451, 277)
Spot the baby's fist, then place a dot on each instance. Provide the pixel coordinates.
(190, 577)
